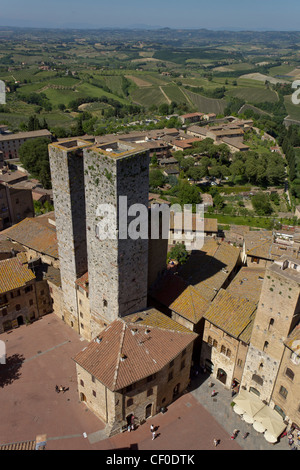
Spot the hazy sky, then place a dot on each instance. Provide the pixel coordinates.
(210, 14)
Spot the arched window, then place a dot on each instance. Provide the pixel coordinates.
(271, 323)
(266, 345)
(223, 350)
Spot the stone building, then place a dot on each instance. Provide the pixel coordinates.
(277, 315)
(87, 178)
(18, 297)
(10, 143)
(134, 368)
(67, 175)
(226, 336)
(286, 394)
(228, 327)
(15, 205)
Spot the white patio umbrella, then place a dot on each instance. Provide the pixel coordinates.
(238, 410)
(259, 427)
(248, 419)
(270, 438)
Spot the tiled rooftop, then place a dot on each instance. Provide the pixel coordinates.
(125, 353)
(232, 314)
(13, 274)
(35, 233)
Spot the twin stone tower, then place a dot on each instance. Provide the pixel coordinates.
(85, 176)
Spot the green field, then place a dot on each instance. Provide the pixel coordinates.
(254, 94)
(148, 96)
(206, 105)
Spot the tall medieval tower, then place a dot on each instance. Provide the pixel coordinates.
(277, 314)
(88, 181)
(66, 164)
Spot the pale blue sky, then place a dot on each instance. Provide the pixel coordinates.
(214, 14)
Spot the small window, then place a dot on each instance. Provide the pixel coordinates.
(183, 353)
(93, 379)
(228, 353)
(271, 323)
(223, 350)
(130, 402)
(290, 374)
(18, 307)
(283, 392)
(266, 345)
(82, 383)
(149, 392)
(209, 341)
(104, 303)
(30, 302)
(215, 344)
(94, 393)
(182, 366)
(170, 377)
(171, 364)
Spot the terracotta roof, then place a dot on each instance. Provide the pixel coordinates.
(125, 353)
(153, 317)
(83, 282)
(208, 269)
(259, 243)
(232, 314)
(210, 225)
(26, 135)
(13, 274)
(24, 445)
(35, 233)
(190, 305)
(247, 283)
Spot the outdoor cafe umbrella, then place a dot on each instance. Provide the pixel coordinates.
(248, 402)
(259, 427)
(270, 438)
(248, 419)
(238, 410)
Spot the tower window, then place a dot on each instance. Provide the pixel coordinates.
(290, 374)
(266, 345)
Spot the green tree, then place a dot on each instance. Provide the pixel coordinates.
(178, 253)
(35, 158)
(261, 204)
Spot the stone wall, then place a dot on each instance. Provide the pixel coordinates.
(117, 268)
(277, 311)
(69, 203)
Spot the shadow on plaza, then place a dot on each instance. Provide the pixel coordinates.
(10, 371)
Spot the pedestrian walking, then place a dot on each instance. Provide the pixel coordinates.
(151, 428)
(245, 435)
(129, 428)
(213, 393)
(153, 435)
(216, 442)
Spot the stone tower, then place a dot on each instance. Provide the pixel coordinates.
(87, 177)
(67, 174)
(277, 314)
(117, 266)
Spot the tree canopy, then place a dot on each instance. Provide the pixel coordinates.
(35, 158)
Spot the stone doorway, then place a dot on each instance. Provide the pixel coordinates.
(222, 376)
(148, 411)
